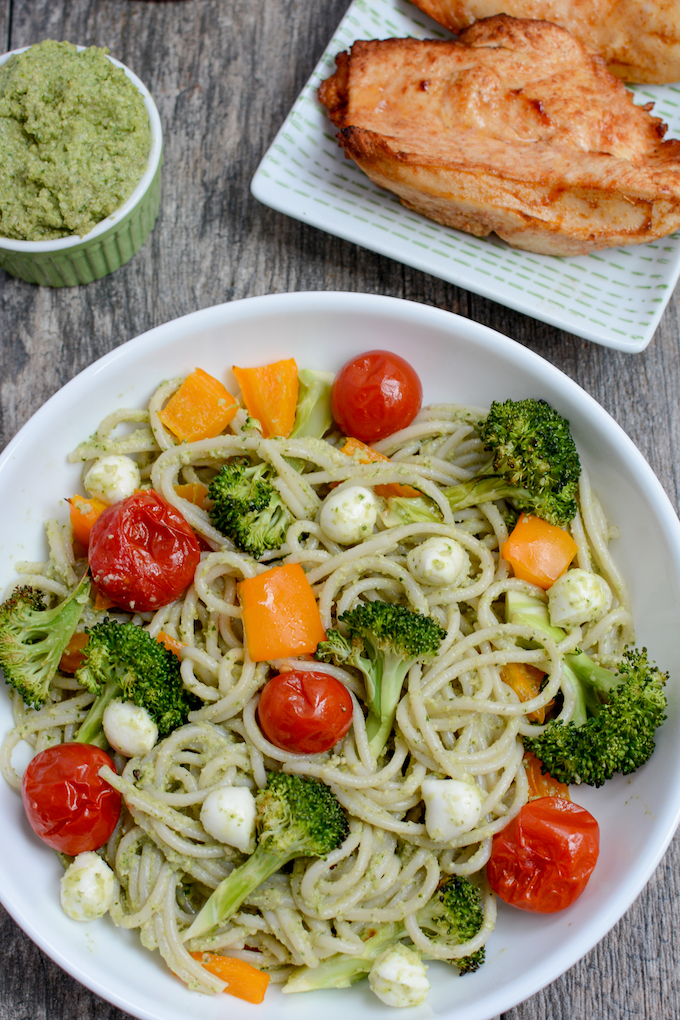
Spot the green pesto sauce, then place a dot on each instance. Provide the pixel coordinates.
(74, 138)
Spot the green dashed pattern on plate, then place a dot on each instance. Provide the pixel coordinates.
(614, 298)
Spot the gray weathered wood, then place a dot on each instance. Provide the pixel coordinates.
(224, 74)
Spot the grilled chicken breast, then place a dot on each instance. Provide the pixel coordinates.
(639, 39)
(514, 128)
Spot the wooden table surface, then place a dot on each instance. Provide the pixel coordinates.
(224, 74)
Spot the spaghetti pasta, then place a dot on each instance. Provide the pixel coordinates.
(456, 718)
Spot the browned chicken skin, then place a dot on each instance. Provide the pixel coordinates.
(639, 39)
(515, 128)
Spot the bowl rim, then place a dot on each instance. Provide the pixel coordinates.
(539, 973)
(60, 244)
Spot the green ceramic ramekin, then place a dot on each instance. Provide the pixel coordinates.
(69, 261)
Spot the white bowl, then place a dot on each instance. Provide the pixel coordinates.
(68, 261)
(458, 360)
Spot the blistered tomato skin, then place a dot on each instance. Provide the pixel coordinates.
(66, 802)
(374, 395)
(142, 553)
(304, 711)
(543, 858)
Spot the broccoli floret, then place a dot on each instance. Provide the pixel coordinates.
(613, 727)
(454, 915)
(295, 817)
(535, 462)
(384, 641)
(338, 649)
(313, 416)
(122, 660)
(251, 424)
(247, 508)
(616, 714)
(33, 638)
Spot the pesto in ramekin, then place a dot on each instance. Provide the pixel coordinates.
(75, 139)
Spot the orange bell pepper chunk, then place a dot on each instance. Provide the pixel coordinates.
(525, 681)
(242, 979)
(542, 785)
(194, 492)
(280, 614)
(200, 409)
(102, 601)
(364, 454)
(84, 512)
(73, 656)
(171, 643)
(538, 552)
(270, 394)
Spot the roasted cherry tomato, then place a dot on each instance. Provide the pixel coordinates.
(66, 802)
(142, 552)
(304, 711)
(374, 395)
(543, 859)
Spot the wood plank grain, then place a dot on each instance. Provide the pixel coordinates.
(224, 76)
(5, 24)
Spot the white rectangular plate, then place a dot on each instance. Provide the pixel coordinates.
(615, 298)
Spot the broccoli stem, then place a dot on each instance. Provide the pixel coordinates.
(588, 680)
(583, 700)
(313, 415)
(591, 673)
(378, 731)
(233, 890)
(484, 490)
(528, 611)
(410, 510)
(341, 971)
(384, 699)
(585, 677)
(336, 972)
(91, 731)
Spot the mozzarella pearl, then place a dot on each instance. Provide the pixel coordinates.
(440, 561)
(228, 815)
(87, 887)
(113, 478)
(129, 728)
(452, 808)
(578, 597)
(349, 515)
(398, 977)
